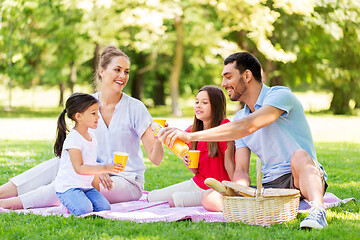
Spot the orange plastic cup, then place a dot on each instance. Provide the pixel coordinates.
(194, 156)
(179, 148)
(160, 121)
(121, 157)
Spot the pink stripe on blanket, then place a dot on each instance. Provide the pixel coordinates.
(330, 200)
(163, 213)
(143, 211)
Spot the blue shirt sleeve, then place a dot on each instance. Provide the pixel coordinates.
(281, 98)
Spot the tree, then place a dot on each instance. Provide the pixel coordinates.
(19, 55)
(192, 42)
(344, 62)
(46, 46)
(65, 45)
(326, 43)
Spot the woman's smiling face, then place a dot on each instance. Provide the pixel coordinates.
(116, 74)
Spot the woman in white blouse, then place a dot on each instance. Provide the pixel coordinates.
(124, 121)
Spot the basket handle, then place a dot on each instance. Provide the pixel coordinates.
(258, 178)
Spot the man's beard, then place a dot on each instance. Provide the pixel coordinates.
(237, 95)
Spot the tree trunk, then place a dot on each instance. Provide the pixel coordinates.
(357, 102)
(266, 71)
(62, 91)
(241, 40)
(11, 30)
(177, 66)
(95, 66)
(137, 87)
(10, 85)
(276, 81)
(340, 101)
(159, 93)
(356, 91)
(271, 67)
(72, 77)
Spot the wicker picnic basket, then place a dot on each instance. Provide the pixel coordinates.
(264, 209)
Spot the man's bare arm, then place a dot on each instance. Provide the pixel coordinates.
(262, 117)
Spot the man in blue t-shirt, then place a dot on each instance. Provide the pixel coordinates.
(274, 127)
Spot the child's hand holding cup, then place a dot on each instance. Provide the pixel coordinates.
(193, 158)
(121, 158)
(186, 160)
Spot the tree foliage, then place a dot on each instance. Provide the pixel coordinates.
(176, 47)
(326, 44)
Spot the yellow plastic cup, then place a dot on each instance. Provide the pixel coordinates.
(160, 121)
(121, 157)
(194, 156)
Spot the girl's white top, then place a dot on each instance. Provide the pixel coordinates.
(67, 177)
(129, 122)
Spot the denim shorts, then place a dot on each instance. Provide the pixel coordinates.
(81, 201)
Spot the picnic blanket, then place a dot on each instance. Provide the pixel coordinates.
(143, 211)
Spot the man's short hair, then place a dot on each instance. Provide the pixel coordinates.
(245, 60)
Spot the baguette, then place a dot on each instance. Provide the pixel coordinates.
(219, 187)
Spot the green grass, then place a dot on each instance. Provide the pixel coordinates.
(341, 161)
(29, 112)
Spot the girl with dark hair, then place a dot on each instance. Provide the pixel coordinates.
(216, 158)
(75, 181)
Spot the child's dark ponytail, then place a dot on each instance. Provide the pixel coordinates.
(76, 103)
(61, 133)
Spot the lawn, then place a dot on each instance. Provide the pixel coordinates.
(341, 161)
(26, 138)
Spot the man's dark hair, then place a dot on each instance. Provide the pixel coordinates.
(245, 60)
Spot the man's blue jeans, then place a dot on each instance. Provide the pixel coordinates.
(83, 200)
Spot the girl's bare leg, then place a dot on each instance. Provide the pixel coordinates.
(8, 190)
(212, 201)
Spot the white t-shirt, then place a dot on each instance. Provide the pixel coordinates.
(67, 177)
(129, 122)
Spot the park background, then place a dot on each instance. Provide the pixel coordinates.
(49, 49)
